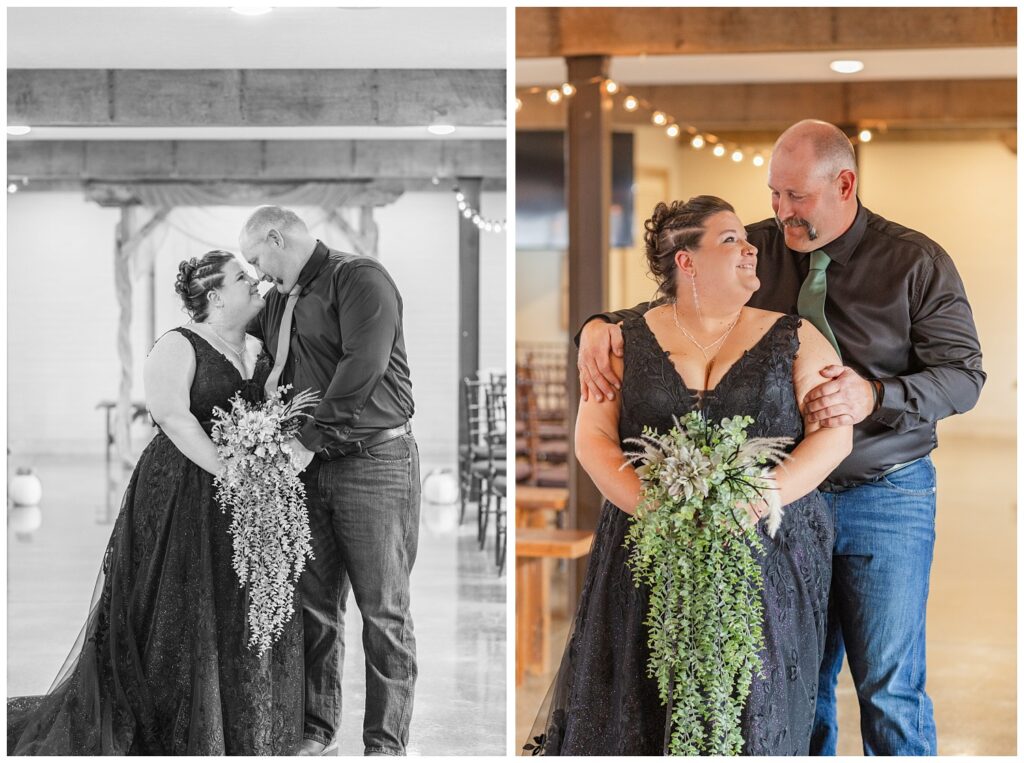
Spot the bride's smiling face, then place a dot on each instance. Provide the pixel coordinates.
(238, 295)
(725, 263)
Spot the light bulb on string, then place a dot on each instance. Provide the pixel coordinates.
(672, 131)
(737, 155)
(631, 103)
(698, 141)
(758, 160)
(718, 150)
(611, 87)
(865, 136)
(554, 96)
(659, 118)
(519, 104)
(568, 89)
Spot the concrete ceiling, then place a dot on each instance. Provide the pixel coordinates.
(750, 68)
(286, 38)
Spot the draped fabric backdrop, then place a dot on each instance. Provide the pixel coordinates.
(63, 311)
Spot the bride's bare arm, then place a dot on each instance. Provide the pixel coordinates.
(598, 451)
(822, 449)
(168, 375)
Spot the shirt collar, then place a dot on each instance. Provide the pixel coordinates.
(842, 248)
(313, 264)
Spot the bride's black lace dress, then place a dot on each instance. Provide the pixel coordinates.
(161, 666)
(602, 702)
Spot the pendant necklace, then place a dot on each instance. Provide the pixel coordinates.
(704, 347)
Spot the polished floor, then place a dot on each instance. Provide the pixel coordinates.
(972, 615)
(458, 604)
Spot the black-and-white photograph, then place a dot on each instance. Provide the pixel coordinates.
(256, 352)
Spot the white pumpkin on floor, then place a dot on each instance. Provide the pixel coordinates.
(440, 486)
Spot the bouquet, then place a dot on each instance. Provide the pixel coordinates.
(694, 547)
(261, 489)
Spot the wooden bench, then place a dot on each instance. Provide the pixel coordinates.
(533, 503)
(534, 547)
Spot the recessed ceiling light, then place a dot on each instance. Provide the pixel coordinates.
(12, 188)
(441, 129)
(19, 130)
(251, 10)
(846, 66)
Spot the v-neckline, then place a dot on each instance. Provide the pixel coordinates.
(703, 393)
(225, 358)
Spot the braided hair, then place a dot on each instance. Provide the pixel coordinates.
(196, 277)
(674, 227)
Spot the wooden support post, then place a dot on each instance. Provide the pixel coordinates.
(368, 227)
(123, 289)
(469, 296)
(588, 183)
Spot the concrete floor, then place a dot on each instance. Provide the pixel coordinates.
(972, 615)
(458, 604)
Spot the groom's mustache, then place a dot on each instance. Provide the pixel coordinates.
(797, 222)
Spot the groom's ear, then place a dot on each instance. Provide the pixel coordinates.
(274, 238)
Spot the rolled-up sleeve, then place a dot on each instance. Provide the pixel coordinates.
(946, 349)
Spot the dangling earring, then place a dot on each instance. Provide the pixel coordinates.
(696, 299)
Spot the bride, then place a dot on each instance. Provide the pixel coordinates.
(161, 666)
(704, 350)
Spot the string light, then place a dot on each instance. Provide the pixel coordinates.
(673, 129)
(483, 223)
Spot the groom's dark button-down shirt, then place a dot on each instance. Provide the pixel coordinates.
(347, 344)
(897, 307)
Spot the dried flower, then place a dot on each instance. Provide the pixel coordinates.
(259, 486)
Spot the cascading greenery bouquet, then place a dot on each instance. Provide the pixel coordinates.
(693, 545)
(260, 488)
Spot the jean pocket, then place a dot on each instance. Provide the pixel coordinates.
(393, 451)
(917, 479)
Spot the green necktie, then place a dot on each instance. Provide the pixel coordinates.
(810, 303)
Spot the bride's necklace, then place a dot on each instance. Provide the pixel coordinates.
(704, 347)
(239, 353)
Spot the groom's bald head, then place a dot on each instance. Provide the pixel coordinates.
(269, 217)
(277, 243)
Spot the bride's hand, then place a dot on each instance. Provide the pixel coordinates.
(301, 455)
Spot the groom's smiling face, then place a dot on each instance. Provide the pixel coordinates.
(269, 258)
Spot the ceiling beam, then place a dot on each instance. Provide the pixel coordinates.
(265, 161)
(255, 97)
(928, 104)
(547, 32)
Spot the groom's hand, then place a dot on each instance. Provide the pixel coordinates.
(301, 455)
(844, 400)
(598, 341)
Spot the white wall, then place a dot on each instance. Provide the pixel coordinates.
(63, 313)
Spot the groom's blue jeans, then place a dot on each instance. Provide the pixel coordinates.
(885, 534)
(364, 514)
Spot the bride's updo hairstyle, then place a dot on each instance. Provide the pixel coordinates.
(674, 227)
(196, 277)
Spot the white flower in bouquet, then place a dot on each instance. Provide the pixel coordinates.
(261, 489)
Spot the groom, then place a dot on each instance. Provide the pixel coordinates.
(334, 325)
(891, 301)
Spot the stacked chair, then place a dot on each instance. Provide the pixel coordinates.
(542, 428)
(483, 459)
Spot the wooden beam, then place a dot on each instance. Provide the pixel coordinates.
(629, 31)
(928, 104)
(588, 194)
(255, 97)
(270, 160)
